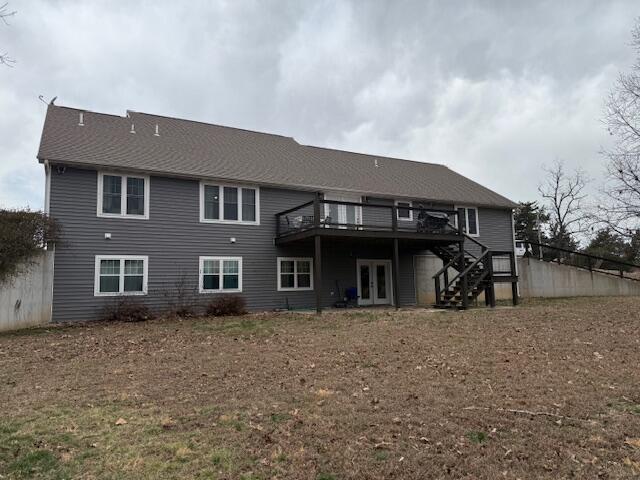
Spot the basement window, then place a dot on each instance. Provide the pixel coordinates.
(220, 274)
(120, 275)
(295, 273)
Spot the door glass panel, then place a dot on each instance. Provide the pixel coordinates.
(365, 293)
(351, 214)
(381, 277)
(332, 213)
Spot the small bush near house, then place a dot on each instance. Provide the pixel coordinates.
(127, 310)
(227, 305)
(23, 235)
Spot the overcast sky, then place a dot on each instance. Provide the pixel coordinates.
(491, 89)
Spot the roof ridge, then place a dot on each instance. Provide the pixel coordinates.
(212, 124)
(377, 156)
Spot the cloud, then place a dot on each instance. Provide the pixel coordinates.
(493, 90)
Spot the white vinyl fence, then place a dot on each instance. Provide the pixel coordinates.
(26, 300)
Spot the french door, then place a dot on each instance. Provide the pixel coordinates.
(345, 215)
(374, 282)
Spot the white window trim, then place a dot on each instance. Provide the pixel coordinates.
(121, 292)
(466, 219)
(123, 196)
(295, 261)
(403, 219)
(221, 204)
(201, 288)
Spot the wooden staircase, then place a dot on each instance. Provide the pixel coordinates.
(473, 276)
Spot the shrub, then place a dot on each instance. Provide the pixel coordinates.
(127, 310)
(227, 305)
(23, 235)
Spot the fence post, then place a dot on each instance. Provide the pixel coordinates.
(514, 284)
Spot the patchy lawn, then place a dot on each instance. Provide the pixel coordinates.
(547, 390)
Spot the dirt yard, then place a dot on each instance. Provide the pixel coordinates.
(546, 390)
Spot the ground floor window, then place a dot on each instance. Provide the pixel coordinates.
(295, 273)
(220, 274)
(120, 275)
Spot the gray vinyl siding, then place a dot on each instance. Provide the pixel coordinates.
(173, 238)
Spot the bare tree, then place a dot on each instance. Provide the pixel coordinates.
(564, 195)
(620, 209)
(5, 13)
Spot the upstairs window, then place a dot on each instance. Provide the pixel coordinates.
(295, 274)
(120, 275)
(404, 210)
(123, 196)
(220, 274)
(470, 219)
(229, 204)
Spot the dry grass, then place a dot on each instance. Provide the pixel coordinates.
(352, 395)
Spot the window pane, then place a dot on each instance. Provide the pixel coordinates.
(286, 280)
(473, 221)
(230, 266)
(211, 202)
(109, 267)
(111, 194)
(230, 203)
(230, 282)
(211, 266)
(404, 212)
(109, 284)
(133, 283)
(304, 280)
(286, 266)
(134, 267)
(135, 196)
(248, 205)
(304, 266)
(381, 278)
(211, 282)
(365, 292)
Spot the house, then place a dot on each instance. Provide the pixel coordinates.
(171, 210)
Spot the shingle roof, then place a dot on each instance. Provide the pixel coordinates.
(200, 150)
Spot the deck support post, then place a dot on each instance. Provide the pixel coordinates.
(317, 271)
(395, 270)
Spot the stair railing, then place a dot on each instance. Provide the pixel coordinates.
(485, 258)
(444, 271)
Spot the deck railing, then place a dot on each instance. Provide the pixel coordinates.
(335, 214)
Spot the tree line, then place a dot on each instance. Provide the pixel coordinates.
(606, 224)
